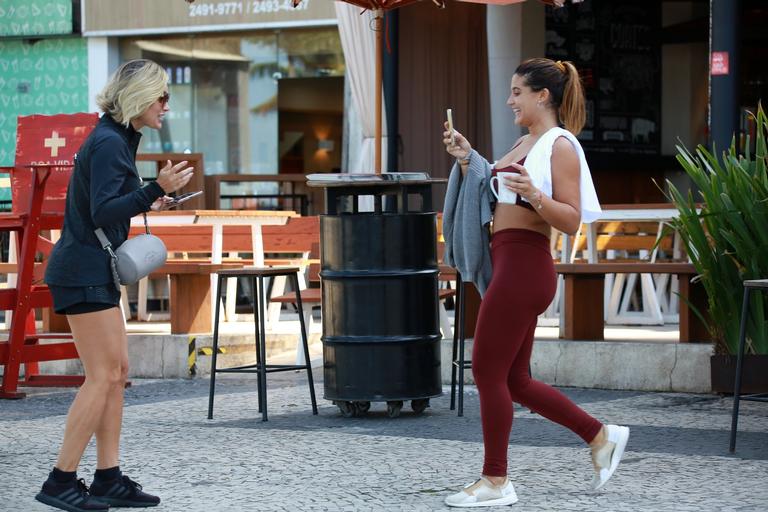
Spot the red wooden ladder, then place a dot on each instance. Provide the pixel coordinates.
(23, 345)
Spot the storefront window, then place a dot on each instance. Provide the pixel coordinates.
(224, 91)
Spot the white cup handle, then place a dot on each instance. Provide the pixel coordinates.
(493, 190)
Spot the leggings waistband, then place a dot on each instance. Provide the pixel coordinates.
(520, 235)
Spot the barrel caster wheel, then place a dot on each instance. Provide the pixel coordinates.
(419, 405)
(361, 408)
(393, 408)
(347, 409)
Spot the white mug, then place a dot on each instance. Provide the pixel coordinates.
(504, 195)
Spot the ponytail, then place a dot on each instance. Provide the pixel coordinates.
(572, 112)
(566, 92)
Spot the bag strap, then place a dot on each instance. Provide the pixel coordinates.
(107, 246)
(104, 241)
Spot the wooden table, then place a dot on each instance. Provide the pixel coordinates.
(582, 312)
(218, 219)
(651, 212)
(191, 295)
(656, 308)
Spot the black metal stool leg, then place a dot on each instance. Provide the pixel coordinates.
(305, 346)
(263, 348)
(455, 344)
(461, 352)
(215, 349)
(739, 362)
(257, 344)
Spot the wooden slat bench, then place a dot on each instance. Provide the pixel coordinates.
(582, 312)
(190, 294)
(291, 244)
(294, 244)
(189, 267)
(624, 242)
(188, 245)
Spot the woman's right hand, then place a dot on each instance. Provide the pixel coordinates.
(174, 177)
(461, 149)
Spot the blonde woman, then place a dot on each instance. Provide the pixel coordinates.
(105, 191)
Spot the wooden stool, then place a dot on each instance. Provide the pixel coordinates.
(261, 368)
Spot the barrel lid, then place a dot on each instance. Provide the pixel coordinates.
(367, 179)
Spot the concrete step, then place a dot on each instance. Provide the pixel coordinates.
(631, 358)
(627, 365)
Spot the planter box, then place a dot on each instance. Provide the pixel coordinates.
(754, 378)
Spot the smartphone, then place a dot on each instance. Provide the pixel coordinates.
(182, 198)
(449, 115)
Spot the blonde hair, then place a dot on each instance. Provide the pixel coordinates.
(566, 93)
(132, 89)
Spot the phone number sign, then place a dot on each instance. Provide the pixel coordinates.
(199, 9)
(118, 17)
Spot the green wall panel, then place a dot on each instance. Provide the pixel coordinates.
(47, 77)
(35, 17)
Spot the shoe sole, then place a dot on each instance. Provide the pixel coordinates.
(507, 500)
(618, 453)
(63, 505)
(117, 502)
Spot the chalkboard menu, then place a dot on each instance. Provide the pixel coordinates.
(615, 47)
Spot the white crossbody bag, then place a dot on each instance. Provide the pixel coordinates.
(137, 257)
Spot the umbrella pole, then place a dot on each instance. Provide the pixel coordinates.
(379, 29)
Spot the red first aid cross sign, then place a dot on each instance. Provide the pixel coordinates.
(51, 139)
(48, 140)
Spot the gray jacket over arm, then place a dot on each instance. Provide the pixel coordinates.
(466, 220)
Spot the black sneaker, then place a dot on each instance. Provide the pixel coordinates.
(122, 492)
(72, 496)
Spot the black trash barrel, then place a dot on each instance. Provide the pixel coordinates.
(381, 334)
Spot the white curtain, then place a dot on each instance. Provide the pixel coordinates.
(358, 40)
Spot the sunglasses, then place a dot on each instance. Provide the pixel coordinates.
(164, 99)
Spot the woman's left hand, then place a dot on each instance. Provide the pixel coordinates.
(521, 184)
(161, 203)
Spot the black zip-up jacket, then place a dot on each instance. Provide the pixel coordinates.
(104, 191)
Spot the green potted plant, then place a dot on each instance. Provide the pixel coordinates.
(724, 227)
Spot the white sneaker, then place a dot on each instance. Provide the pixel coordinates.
(483, 494)
(607, 458)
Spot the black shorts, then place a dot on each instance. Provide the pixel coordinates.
(76, 300)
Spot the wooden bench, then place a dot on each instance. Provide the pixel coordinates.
(188, 245)
(582, 318)
(190, 294)
(192, 244)
(295, 244)
(188, 268)
(628, 241)
(622, 236)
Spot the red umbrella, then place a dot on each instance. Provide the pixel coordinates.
(379, 6)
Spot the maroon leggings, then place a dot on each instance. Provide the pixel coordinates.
(522, 287)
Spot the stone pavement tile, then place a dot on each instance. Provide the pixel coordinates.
(677, 457)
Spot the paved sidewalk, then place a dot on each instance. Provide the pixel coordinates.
(677, 458)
